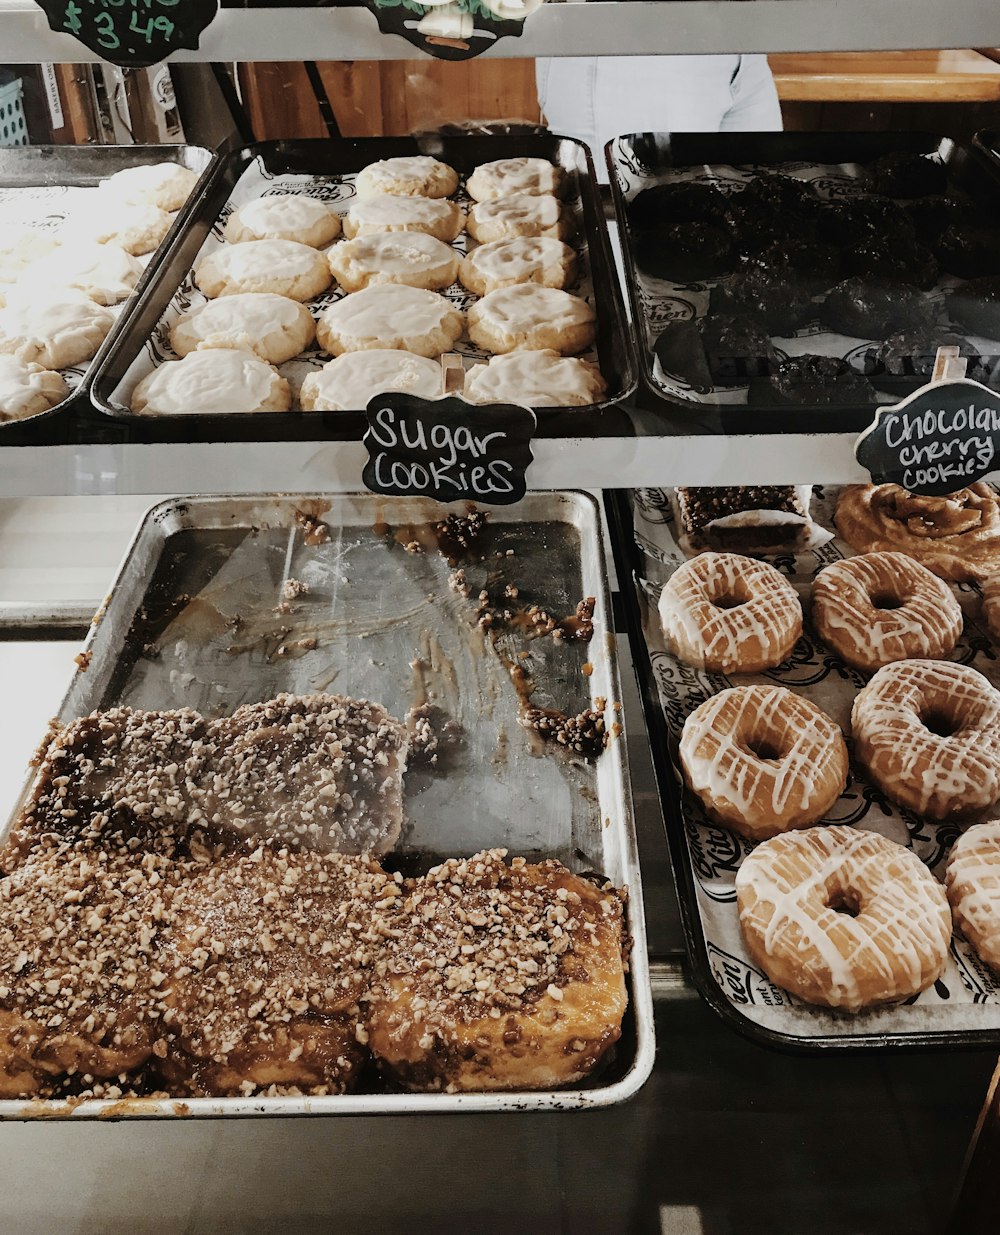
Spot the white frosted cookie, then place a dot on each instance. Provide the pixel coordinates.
(283, 267)
(284, 216)
(414, 175)
(55, 330)
(393, 213)
(166, 185)
(392, 316)
(215, 382)
(413, 258)
(526, 259)
(20, 246)
(104, 272)
(347, 383)
(136, 227)
(27, 389)
(528, 317)
(535, 379)
(274, 328)
(523, 214)
(504, 177)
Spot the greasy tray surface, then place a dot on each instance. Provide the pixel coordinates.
(43, 185)
(387, 627)
(963, 1006)
(831, 163)
(327, 169)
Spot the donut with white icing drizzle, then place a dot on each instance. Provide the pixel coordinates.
(882, 607)
(991, 605)
(730, 614)
(972, 879)
(928, 733)
(763, 760)
(843, 918)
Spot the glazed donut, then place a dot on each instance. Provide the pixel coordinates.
(956, 536)
(882, 607)
(763, 760)
(730, 614)
(991, 605)
(928, 732)
(972, 878)
(842, 917)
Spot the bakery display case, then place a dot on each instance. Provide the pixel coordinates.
(230, 638)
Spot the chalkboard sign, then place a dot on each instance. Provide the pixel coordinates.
(940, 439)
(132, 33)
(453, 31)
(448, 449)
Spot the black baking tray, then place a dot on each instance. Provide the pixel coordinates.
(332, 158)
(628, 567)
(971, 169)
(85, 167)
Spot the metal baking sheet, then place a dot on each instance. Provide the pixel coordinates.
(327, 169)
(41, 186)
(831, 162)
(962, 1009)
(388, 627)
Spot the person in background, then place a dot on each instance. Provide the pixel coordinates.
(595, 98)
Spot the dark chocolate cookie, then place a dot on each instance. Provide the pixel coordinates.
(819, 381)
(861, 219)
(685, 201)
(780, 305)
(893, 260)
(908, 356)
(724, 350)
(975, 306)
(931, 216)
(802, 263)
(684, 252)
(901, 174)
(866, 309)
(969, 252)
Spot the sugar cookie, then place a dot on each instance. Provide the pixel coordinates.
(526, 259)
(392, 213)
(27, 389)
(413, 258)
(275, 328)
(283, 267)
(214, 382)
(20, 246)
(535, 379)
(104, 272)
(56, 331)
(416, 175)
(522, 214)
(136, 227)
(350, 381)
(390, 316)
(284, 216)
(504, 177)
(166, 185)
(531, 318)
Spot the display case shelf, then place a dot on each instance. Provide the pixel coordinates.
(668, 26)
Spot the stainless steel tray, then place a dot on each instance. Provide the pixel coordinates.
(387, 627)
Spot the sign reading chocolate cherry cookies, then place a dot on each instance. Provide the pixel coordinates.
(133, 34)
(940, 439)
(447, 449)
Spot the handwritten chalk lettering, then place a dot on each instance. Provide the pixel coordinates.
(132, 33)
(942, 438)
(447, 449)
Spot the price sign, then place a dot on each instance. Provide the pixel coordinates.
(132, 33)
(448, 449)
(940, 439)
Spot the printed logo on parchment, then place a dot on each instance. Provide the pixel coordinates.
(741, 982)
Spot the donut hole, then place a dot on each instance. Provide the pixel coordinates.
(940, 723)
(886, 600)
(728, 601)
(766, 747)
(846, 902)
(728, 595)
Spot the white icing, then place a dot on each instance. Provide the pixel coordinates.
(250, 320)
(535, 379)
(393, 256)
(525, 259)
(55, 331)
(350, 381)
(257, 260)
(504, 177)
(788, 889)
(283, 216)
(416, 174)
(26, 389)
(104, 272)
(390, 212)
(390, 310)
(522, 214)
(137, 227)
(164, 184)
(933, 775)
(973, 882)
(526, 306)
(20, 246)
(210, 382)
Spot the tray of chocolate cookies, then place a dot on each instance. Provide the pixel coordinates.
(794, 281)
(318, 274)
(78, 227)
(335, 818)
(820, 680)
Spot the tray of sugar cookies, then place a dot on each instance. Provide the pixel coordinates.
(820, 677)
(780, 279)
(335, 817)
(78, 227)
(317, 274)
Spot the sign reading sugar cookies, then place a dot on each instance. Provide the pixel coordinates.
(447, 449)
(132, 33)
(942, 438)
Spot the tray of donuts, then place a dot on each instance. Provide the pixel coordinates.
(376, 257)
(790, 281)
(79, 225)
(335, 817)
(821, 682)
